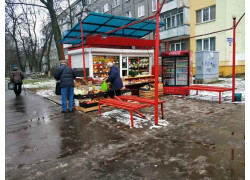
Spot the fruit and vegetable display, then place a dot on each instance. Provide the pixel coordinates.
(138, 80)
(84, 86)
(100, 67)
(138, 66)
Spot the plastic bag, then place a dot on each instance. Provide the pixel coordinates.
(104, 86)
(11, 86)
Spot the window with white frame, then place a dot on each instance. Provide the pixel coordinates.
(173, 18)
(106, 8)
(154, 3)
(141, 11)
(178, 46)
(116, 3)
(128, 14)
(206, 44)
(206, 14)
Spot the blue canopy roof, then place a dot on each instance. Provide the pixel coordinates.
(96, 23)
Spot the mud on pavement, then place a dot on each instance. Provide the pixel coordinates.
(202, 140)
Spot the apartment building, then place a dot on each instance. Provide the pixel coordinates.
(214, 15)
(175, 35)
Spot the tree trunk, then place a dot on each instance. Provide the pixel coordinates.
(48, 53)
(55, 28)
(70, 15)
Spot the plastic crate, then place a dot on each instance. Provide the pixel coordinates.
(85, 105)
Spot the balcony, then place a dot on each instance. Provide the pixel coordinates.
(169, 6)
(178, 31)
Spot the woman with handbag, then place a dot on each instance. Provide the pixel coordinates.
(16, 77)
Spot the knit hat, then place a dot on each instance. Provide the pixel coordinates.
(109, 64)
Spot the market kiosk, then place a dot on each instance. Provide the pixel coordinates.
(121, 38)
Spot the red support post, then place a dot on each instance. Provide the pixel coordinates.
(168, 46)
(219, 97)
(233, 70)
(99, 106)
(132, 121)
(83, 52)
(156, 58)
(162, 111)
(70, 64)
(62, 52)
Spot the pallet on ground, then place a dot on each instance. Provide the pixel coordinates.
(85, 110)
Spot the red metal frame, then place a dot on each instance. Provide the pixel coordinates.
(167, 50)
(156, 64)
(83, 52)
(143, 116)
(119, 41)
(233, 67)
(70, 64)
(122, 105)
(143, 100)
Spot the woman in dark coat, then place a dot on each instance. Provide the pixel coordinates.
(115, 79)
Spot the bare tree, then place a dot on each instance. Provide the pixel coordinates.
(51, 7)
(55, 27)
(11, 29)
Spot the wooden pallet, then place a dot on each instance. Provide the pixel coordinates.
(85, 110)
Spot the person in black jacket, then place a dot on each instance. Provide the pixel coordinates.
(115, 79)
(66, 76)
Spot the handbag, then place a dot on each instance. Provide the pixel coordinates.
(58, 88)
(11, 86)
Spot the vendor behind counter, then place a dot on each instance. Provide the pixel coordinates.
(115, 80)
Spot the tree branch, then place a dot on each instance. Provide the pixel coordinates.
(27, 4)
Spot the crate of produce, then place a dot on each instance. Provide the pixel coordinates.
(145, 88)
(88, 104)
(147, 94)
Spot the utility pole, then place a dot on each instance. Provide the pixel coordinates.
(233, 67)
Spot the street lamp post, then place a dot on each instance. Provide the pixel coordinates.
(233, 67)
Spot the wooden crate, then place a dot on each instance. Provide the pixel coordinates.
(147, 94)
(95, 108)
(151, 93)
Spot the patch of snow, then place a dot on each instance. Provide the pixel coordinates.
(124, 117)
(46, 93)
(49, 83)
(226, 97)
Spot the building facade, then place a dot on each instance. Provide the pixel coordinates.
(214, 15)
(175, 35)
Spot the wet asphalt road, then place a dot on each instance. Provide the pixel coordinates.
(204, 140)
